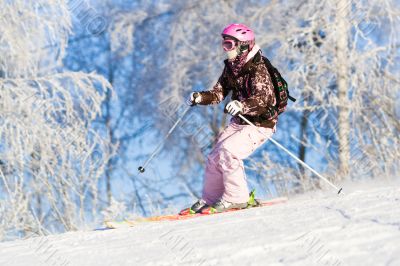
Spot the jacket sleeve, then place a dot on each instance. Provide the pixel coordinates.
(218, 93)
(262, 98)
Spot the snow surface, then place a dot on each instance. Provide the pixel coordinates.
(359, 228)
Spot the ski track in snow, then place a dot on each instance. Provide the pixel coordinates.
(359, 228)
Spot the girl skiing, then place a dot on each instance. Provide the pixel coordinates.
(246, 75)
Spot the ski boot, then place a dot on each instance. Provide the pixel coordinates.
(196, 208)
(223, 205)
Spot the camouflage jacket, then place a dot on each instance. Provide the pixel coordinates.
(252, 87)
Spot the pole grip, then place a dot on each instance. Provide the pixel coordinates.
(195, 95)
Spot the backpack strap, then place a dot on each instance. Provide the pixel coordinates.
(279, 82)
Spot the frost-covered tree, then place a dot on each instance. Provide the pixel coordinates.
(135, 44)
(348, 77)
(51, 156)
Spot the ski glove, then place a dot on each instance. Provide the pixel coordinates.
(234, 107)
(194, 99)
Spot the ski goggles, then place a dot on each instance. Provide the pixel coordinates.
(229, 44)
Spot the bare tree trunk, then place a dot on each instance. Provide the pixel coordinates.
(110, 131)
(343, 11)
(303, 138)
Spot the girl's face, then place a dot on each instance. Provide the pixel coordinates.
(231, 47)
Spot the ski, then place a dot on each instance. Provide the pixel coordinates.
(179, 217)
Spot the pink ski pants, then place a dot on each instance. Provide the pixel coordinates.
(224, 175)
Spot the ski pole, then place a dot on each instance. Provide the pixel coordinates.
(294, 157)
(158, 148)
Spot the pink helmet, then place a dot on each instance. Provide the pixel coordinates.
(240, 32)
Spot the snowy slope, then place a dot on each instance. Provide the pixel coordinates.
(359, 228)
